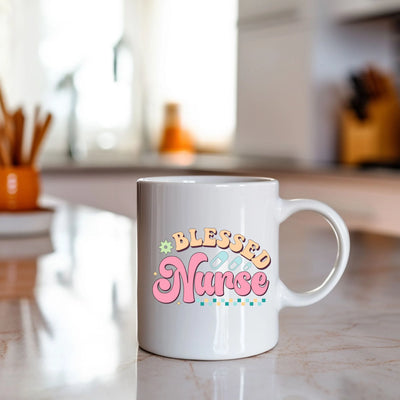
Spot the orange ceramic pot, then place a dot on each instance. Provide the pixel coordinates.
(19, 188)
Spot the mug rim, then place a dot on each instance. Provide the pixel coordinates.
(210, 180)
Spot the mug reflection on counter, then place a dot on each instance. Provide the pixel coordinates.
(216, 380)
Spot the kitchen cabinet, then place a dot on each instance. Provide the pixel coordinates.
(274, 92)
(273, 99)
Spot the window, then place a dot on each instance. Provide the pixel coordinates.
(105, 68)
(192, 60)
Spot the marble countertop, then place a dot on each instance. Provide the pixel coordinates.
(68, 321)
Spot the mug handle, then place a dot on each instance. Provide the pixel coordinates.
(289, 298)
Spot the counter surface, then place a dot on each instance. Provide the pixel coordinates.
(178, 164)
(68, 321)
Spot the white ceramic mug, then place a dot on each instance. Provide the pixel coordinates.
(208, 268)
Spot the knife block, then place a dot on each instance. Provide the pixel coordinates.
(375, 139)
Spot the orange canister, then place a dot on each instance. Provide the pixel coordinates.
(19, 188)
(174, 139)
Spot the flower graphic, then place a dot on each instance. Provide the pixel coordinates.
(165, 247)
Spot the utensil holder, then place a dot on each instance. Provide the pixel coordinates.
(19, 188)
(375, 139)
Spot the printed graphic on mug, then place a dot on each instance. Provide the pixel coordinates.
(235, 275)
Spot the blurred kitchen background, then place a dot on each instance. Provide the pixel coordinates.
(302, 90)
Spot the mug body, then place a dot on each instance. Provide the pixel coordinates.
(207, 266)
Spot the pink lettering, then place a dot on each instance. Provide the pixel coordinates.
(259, 283)
(203, 283)
(242, 285)
(164, 291)
(175, 277)
(222, 280)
